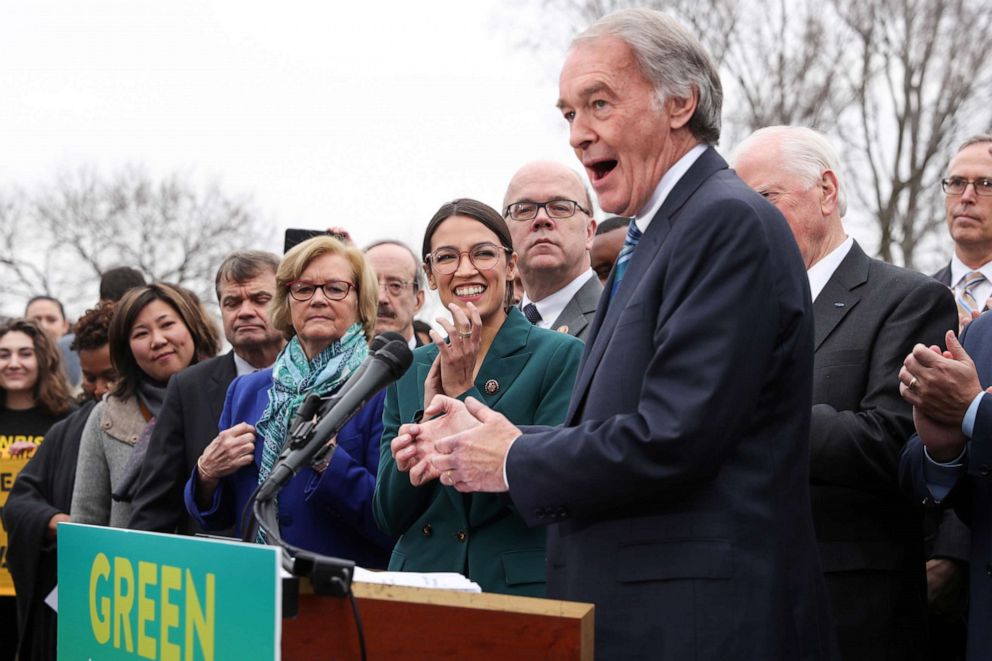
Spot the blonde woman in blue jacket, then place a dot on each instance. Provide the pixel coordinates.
(495, 355)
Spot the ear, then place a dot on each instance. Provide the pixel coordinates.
(431, 282)
(681, 110)
(829, 189)
(511, 267)
(420, 301)
(590, 233)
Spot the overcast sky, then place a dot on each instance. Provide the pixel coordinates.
(368, 116)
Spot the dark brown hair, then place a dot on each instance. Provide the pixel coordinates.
(475, 210)
(51, 392)
(128, 309)
(92, 329)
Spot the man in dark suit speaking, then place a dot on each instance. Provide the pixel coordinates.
(676, 494)
(867, 317)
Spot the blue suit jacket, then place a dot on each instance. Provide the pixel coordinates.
(329, 513)
(971, 498)
(678, 489)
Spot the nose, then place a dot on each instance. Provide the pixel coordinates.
(542, 220)
(14, 360)
(969, 194)
(383, 295)
(246, 309)
(465, 265)
(580, 134)
(158, 339)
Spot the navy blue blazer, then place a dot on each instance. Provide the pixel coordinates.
(971, 498)
(677, 492)
(329, 513)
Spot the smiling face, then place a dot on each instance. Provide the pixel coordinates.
(620, 132)
(484, 289)
(160, 342)
(969, 216)
(18, 363)
(552, 248)
(321, 321)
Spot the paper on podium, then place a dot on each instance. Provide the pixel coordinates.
(431, 580)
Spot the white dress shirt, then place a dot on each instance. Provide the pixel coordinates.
(821, 272)
(550, 307)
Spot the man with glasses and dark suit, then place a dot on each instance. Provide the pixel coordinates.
(947, 462)
(549, 213)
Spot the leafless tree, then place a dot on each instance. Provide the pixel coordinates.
(896, 83)
(84, 223)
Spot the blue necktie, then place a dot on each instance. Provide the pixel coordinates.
(626, 253)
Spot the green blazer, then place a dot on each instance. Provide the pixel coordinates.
(529, 373)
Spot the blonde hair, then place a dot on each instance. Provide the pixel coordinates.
(295, 262)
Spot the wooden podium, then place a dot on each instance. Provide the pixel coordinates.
(416, 623)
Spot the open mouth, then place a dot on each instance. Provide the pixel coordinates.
(469, 290)
(600, 169)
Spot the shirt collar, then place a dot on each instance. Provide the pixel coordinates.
(665, 186)
(550, 307)
(821, 272)
(243, 367)
(959, 270)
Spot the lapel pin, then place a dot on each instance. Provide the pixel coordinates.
(491, 387)
(563, 329)
(838, 304)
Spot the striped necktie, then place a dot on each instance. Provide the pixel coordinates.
(626, 253)
(966, 294)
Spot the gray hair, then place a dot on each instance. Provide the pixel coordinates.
(418, 275)
(243, 265)
(672, 59)
(976, 140)
(805, 153)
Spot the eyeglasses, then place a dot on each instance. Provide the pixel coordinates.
(554, 209)
(958, 185)
(484, 256)
(397, 287)
(334, 290)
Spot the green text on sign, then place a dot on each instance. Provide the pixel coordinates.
(131, 595)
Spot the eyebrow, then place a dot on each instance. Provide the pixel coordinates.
(585, 93)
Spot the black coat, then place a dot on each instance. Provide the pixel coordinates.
(184, 428)
(42, 490)
(867, 319)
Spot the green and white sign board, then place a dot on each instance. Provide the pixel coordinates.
(124, 594)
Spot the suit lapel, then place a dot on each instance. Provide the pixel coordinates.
(839, 295)
(582, 304)
(215, 388)
(647, 250)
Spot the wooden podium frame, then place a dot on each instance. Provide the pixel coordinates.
(417, 623)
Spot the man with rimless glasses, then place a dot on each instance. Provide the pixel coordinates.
(401, 287)
(549, 213)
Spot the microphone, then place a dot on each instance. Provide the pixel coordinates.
(387, 364)
(303, 420)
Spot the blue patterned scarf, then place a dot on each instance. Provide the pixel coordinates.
(295, 377)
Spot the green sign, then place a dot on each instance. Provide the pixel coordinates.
(124, 594)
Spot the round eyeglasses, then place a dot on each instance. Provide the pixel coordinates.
(334, 290)
(484, 256)
(554, 209)
(397, 287)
